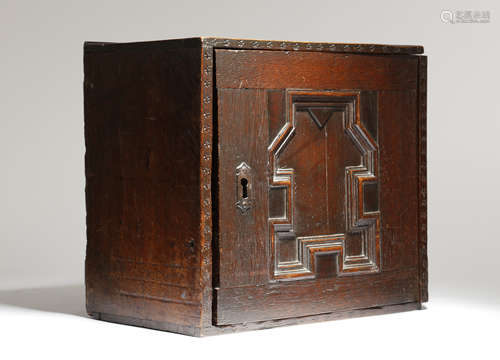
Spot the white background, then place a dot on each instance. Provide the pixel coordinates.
(42, 208)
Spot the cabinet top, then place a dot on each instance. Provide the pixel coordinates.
(226, 43)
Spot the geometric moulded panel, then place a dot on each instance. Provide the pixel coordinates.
(324, 161)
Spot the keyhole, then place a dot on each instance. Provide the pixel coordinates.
(244, 184)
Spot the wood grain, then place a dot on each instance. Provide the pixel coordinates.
(242, 119)
(386, 116)
(399, 177)
(142, 136)
(277, 301)
(167, 122)
(309, 70)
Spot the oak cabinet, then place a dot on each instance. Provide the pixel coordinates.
(241, 184)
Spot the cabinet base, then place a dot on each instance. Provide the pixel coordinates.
(216, 330)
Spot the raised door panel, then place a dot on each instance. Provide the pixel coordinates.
(324, 161)
(317, 185)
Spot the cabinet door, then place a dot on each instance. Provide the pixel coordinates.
(317, 183)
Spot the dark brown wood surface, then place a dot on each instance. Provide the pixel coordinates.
(142, 135)
(310, 70)
(238, 305)
(166, 125)
(246, 112)
(242, 239)
(253, 44)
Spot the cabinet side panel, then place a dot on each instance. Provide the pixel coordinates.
(142, 166)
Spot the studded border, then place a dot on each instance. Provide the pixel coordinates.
(422, 176)
(310, 46)
(206, 181)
